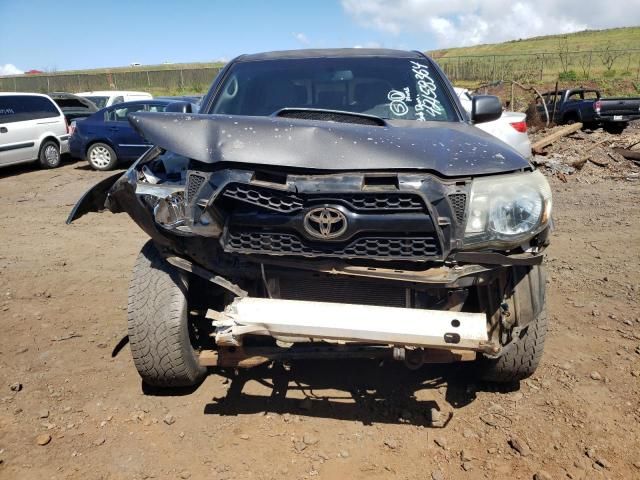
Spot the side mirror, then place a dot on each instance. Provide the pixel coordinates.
(485, 108)
(179, 107)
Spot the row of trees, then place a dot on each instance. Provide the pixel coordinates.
(607, 56)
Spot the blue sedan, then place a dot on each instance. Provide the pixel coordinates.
(106, 137)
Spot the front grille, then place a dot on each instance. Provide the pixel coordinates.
(371, 247)
(263, 197)
(287, 202)
(342, 290)
(458, 204)
(194, 182)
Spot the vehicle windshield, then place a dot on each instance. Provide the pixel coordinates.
(390, 88)
(71, 104)
(99, 101)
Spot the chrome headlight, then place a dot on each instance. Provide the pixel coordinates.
(507, 209)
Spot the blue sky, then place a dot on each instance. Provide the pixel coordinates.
(68, 34)
(72, 34)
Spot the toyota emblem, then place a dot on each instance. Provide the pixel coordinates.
(325, 223)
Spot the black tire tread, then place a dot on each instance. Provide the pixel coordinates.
(521, 357)
(157, 323)
(42, 159)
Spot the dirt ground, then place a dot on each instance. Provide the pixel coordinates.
(63, 294)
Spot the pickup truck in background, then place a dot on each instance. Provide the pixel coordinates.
(590, 108)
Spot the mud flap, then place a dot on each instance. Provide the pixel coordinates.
(94, 199)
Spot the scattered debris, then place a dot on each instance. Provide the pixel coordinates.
(66, 337)
(561, 152)
(43, 439)
(391, 443)
(542, 475)
(557, 134)
(169, 419)
(441, 442)
(437, 475)
(519, 446)
(310, 439)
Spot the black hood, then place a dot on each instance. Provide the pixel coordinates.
(449, 149)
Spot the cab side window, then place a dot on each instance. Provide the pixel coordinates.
(120, 114)
(19, 108)
(156, 108)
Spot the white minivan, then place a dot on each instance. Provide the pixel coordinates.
(106, 98)
(32, 128)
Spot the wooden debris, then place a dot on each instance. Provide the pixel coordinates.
(557, 135)
(628, 154)
(578, 163)
(601, 162)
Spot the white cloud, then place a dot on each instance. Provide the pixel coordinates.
(470, 22)
(368, 45)
(301, 37)
(10, 69)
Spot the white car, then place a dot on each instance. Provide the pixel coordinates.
(511, 127)
(32, 127)
(106, 98)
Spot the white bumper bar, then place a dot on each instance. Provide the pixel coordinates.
(347, 322)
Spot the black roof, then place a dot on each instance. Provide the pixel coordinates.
(329, 53)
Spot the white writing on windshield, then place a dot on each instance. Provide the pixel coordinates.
(426, 97)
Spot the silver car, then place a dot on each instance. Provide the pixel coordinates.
(511, 127)
(32, 128)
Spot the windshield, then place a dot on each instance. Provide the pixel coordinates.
(71, 104)
(390, 88)
(99, 101)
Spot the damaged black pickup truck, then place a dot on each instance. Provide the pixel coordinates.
(331, 203)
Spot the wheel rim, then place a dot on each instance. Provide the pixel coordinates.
(100, 157)
(51, 154)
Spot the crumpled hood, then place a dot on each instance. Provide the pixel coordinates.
(449, 149)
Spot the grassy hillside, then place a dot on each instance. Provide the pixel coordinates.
(144, 68)
(617, 38)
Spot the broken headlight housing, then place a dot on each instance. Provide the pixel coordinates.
(507, 210)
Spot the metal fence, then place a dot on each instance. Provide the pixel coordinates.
(547, 66)
(528, 67)
(192, 79)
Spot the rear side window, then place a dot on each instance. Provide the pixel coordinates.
(18, 108)
(120, 114)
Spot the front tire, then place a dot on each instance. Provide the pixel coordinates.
(102, 157)
(158, 323)
(520, 357)
(49, 155)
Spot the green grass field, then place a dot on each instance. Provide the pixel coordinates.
(616, 38)
(143, 68)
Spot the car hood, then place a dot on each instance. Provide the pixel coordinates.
(449, 149)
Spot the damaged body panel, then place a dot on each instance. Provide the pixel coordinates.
(451, 150)
(308, 229)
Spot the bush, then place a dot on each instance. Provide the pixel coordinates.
(568, 76)
(609, 74)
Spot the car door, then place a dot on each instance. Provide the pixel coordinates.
(129, 145)
(22, 117)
